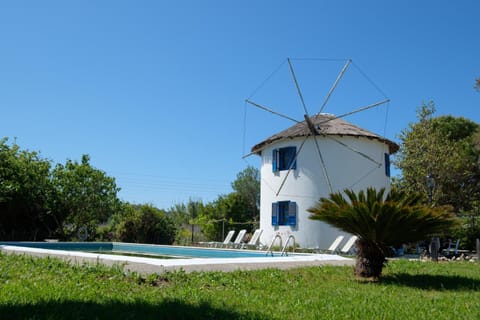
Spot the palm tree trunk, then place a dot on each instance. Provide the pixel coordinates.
(370, 260)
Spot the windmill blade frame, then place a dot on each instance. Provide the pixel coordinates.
(370, 106)
(270, 110)
(315, 130)
(312, 130)
(340, 76)
(297, 86)
(324, 167)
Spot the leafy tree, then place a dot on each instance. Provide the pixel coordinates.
(237, 210)
(439, 157)
(144, 224)
(194, 213)
(179, 214)
(226, 213)
(25, 189)
(187, 219)
(247, 186)
(84, 197)
(381, 220)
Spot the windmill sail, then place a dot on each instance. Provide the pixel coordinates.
(321, 125)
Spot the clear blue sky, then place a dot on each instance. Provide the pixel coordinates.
(154, 91)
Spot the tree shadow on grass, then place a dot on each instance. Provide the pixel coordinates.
(432, 282)
(170, 309)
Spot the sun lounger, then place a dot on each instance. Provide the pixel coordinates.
(335, 244)
(254, 241)
(238, 240)
(349, 247)
(225, 242)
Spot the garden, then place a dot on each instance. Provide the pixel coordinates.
(47, 288)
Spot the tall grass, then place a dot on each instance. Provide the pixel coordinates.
(32, 288)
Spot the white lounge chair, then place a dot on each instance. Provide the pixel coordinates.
(348, 248)
(238, 240)
(335, 244)
(254, 241)
(225, 242)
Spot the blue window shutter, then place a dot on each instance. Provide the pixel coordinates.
(293, 153)
(275, 160)
(387, 164)
(275, 210)
(292, 213)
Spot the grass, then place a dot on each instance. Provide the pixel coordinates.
(47, 288)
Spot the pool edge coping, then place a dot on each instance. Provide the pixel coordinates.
(143, 265)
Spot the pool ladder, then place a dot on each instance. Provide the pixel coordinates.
(284, 249)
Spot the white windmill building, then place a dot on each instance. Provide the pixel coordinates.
(313, 158)
(352, 158)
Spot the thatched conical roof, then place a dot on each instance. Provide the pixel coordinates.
(324, 124)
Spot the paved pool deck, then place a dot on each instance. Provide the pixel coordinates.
(144, 266)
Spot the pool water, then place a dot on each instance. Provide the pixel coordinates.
(158, 251)
(135, 254)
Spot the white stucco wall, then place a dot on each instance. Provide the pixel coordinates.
(306, 184)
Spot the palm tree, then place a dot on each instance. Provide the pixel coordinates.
(380, 221)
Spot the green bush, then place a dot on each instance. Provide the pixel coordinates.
(144, 224)
(468, 233)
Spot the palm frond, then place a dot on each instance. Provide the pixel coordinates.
(383, 219)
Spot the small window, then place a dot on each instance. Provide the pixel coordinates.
(284, 158)
(387, 164)
(284, 213)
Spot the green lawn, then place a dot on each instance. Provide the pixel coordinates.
(32, 288)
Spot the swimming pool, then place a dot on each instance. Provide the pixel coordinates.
(188, 259)
(146, 249)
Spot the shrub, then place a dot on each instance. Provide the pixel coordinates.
(144, 224)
